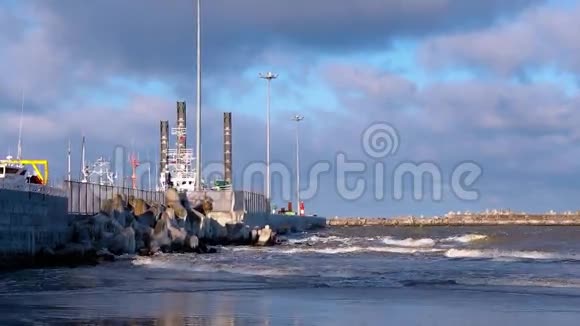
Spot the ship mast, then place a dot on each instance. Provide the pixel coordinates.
(83, 163)
(19, 152)
(68, 162)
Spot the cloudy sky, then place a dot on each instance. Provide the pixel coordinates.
(490, 83)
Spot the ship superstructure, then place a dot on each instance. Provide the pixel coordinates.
(14, 171)
(177, 164)
(99, 172)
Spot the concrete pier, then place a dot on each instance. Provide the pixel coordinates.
(35, 219)
(31, 218)
(462, 220)
(251, 209)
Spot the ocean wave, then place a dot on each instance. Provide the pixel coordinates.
(213, 268)
(501, 282)
(507, 254)
(353, 249)
(317, 239)
(551, 283)
(409, 242)
(413, 283)
(466, 238)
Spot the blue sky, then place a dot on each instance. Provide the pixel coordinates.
(491, 82)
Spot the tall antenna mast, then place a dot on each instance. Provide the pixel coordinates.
(148, 168)
(198, 102)
(68, 160)
(134, 160)
(156, 173)
(19, 153)
(83, 162)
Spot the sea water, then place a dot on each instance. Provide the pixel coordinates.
(339, 276)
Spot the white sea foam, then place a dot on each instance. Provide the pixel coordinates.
(409, 242)
(352, 249)
(507, 254)
(205, 268)
(466, 238)
(316, 239)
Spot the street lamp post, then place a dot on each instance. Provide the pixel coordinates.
(198, 166)
(297, 118)
(268, 77)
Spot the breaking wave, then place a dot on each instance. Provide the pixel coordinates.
(317, 239)
(353, 249)
(501, 254)
(409, 242)
(207, 268)
(466, 238)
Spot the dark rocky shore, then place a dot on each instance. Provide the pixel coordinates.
(134, 226)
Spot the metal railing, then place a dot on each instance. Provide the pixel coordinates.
(253, 202)
(87, 198)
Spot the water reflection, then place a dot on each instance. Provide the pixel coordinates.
(160, 309)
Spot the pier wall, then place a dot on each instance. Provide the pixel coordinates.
(251, 208)
(31, 218)
(284, 223)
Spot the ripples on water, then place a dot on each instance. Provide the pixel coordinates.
(517, 260)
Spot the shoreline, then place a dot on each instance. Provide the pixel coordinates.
(461, 220)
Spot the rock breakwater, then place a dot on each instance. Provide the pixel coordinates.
(134, 226)
(462, 220)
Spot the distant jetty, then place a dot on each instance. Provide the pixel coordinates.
(464, 219)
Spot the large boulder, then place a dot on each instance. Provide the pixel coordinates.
(161, 239)
(123, 217)
(172, 196)
(168, 214)
(82, 231)
(238, 233)
(210, 229)
(205, 206)
(179, 211)
(156, 208)
(254, 235)
(191, 243)
(148, 218)
(124, 242)
(193, 222)
(197, 224)
(105, 255)
(105, 240)
(143, 235)
(107, 207)
(117, 208)
(266, 237)
(178, 237)
(175, 203)
(139, 206)
(119, 202)
(102, 223)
